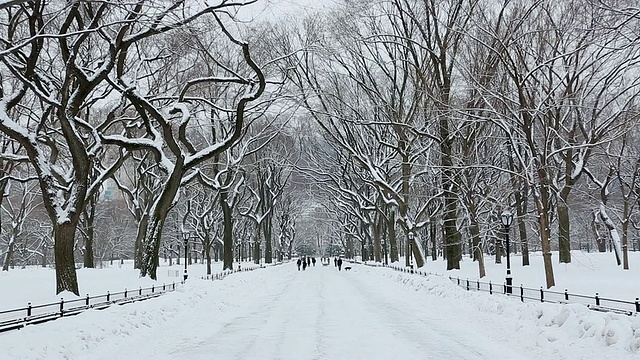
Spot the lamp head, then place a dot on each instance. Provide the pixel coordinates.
(506, 218)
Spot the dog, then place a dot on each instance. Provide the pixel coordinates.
(347, 268)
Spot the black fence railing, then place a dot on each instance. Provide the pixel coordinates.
(596, 302)
(565, 297)
(246, 267)
(17, 318)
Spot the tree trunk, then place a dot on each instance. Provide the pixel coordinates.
(66, 278)
(151, 248)
(541, 201)
(521, 211)
(268, 247)
(393, 242)
(564, 243)
(433, 228)
(44, 255)
(477, 248)
(137, 247)
(8, 256)
(625, 234)
(227, 238)
(600, 240)
(377, 247)
(257, 249)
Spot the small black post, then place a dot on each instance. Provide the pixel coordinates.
(29, 308)
(478, 284)
(153, 288)
(637, 305)
(163, 287)
(490, 288)
(108, 296)
(467, 284)
(458, 281)
(125, 293)
(566, 295)
(597, 299)
(140, 291)
(541, 294)
(61, 307)
(521, 293)
(86, 301)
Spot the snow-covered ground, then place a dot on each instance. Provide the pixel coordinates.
(321, 313)
(587, 274)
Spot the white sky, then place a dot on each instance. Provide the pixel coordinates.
(275, 9)
(322, 313)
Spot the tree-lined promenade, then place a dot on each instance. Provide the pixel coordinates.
(375, 129)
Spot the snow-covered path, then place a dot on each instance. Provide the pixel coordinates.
(325, 314)
(322, 313)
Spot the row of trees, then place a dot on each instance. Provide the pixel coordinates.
(163, 99)
(438, 115)
(419, 116)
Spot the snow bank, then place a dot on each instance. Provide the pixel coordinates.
(556, 325)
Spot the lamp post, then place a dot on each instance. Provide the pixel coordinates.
(507, 220)
(185, 238)
(410, 235)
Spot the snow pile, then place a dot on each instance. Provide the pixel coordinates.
(557, 325)
(82, 336)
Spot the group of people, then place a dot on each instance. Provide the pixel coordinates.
(306, 261)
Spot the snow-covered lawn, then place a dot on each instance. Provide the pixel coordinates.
(366, 313)
(587, 274)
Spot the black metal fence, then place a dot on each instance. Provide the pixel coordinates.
(13, 319)
(524, 293)
(18, 318)
(596, 302)
(221, 275)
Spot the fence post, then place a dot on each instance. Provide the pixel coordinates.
(490, 288)
(467, 284)
(521, 293)
(108, 296)
(163, 287)
(597, 299)
(125, 293)
(86, 301)
(153, 288)
(637, 305)
(458, 278)
(566, 295)
(478, 284)
(29, 308)
(174, 285)
(541, 294)
(140, 291)
(61, 306)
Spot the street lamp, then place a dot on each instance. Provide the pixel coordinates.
(507, 220)
(185, 238)
(410, 249)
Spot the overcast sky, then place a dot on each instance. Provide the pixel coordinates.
(269, 9)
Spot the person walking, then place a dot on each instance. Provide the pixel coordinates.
(313, 260)
(299, 263)
(304, 264)
(339, 264)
